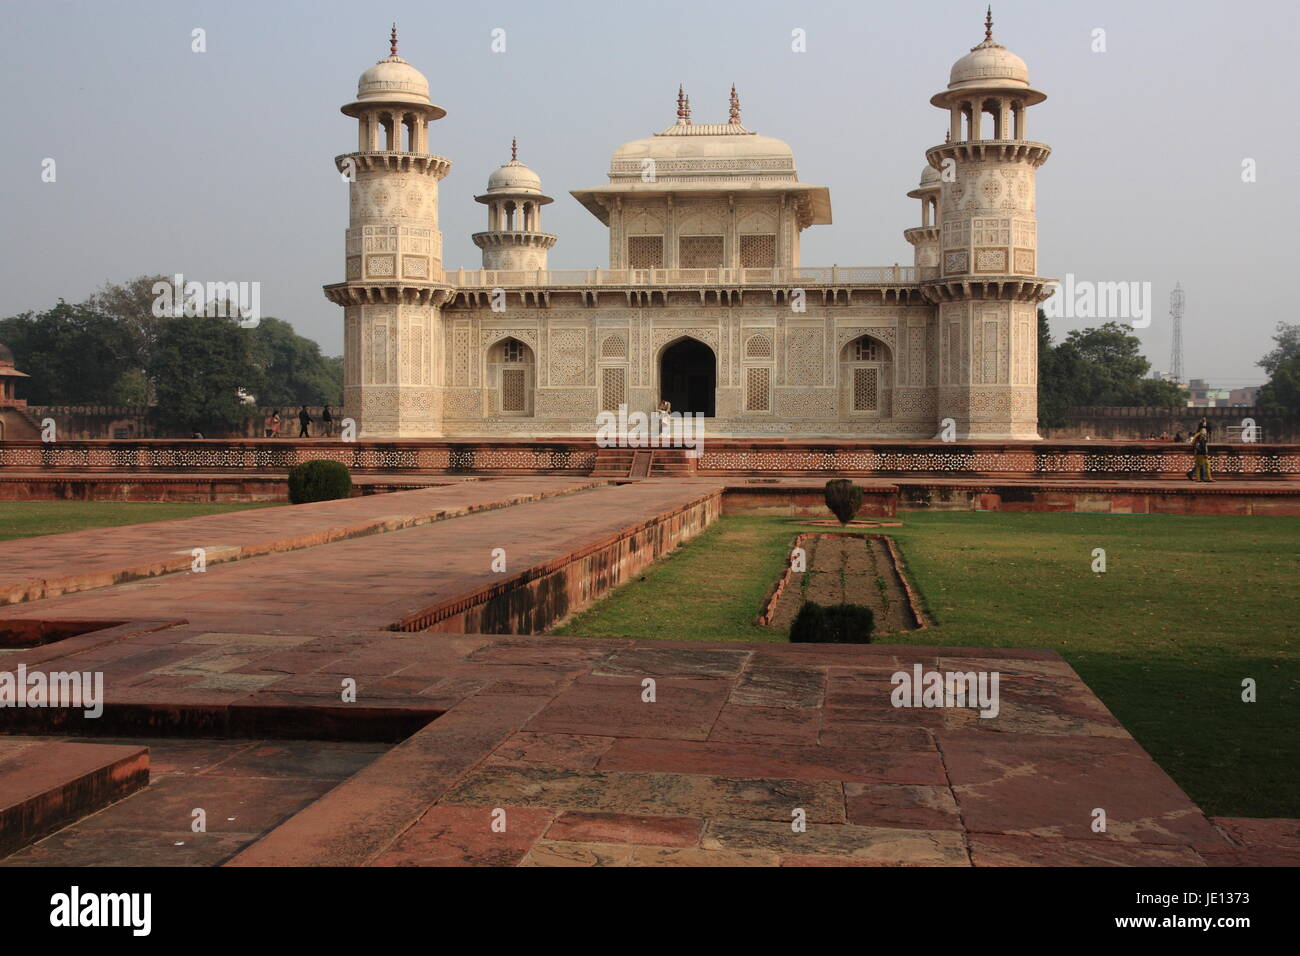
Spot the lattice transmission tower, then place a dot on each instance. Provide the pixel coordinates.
(1176, 302)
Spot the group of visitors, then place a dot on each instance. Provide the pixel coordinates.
(272, 424)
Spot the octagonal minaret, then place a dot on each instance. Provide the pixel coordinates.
(988, 289)
(925, 237)
(394, 290)
(514, 240)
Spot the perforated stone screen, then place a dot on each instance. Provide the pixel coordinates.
(756, 389)
(758, 252)
(700, 252)
(645, 252)
(866, 392)
(513, 388)
(613, 388)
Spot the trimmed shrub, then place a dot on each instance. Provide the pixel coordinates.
(844, 498)
(319, 480)
(837, 624)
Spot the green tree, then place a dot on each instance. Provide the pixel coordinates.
(131, 305)
(1098, 366)
(199, 365)
(290, 369)
(74, 354)
(1281, 395)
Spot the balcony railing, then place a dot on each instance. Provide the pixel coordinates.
(786, 278)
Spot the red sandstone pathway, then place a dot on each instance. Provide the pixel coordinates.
(82, 560)
(739, 742)
(371, 581)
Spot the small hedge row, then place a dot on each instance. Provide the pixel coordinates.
(319, 480)
(836, 624)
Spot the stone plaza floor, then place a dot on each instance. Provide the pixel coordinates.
(473, 749)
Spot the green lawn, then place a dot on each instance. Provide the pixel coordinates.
(27, 519)
(1187, 608)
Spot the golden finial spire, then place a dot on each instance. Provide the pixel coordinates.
(514, 149)
(988, 23)
(735, 107)
(392, 41)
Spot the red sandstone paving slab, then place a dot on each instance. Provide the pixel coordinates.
(580, 827)
(79, 847)
(557, 853)
(98, 557)
(762, 685)
(558, 751)
(1002, 850)
(1259, 831)
(692, 856)
(882, 846)
(1041, 706)
(464, 836)
(359, 819)
(671, 662)
(794, 727)
(646, 793)
(168, 802)
(613, 706)
(895, 738)
(316, 759)
(1251, 856)
(901, 805)
(553, 651)
(178, 755)
(1048, 786)
(766, 760)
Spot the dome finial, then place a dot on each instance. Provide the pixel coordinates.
(392, 41)
(683, 111)
(988, 23)
(514, 149)
(735, 107)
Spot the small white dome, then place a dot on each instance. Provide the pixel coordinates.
(514, 176)
(929, 177)
(393, 80)
(989, 65)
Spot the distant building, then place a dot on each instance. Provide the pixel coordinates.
(705, 303)
(1204, 395)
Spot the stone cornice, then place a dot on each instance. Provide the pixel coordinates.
(919, 234)
(388, 293)
(435, 166)
(499, 238)
(1015, 288)
(983, 150)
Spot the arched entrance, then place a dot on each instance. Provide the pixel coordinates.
(688, 377)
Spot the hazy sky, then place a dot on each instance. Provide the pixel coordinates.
(220, 164)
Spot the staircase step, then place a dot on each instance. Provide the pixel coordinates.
(46, 785)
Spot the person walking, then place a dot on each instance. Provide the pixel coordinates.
(327, 422)
(1201, 450)
(275, 424)
(267, 426)
(304, 419)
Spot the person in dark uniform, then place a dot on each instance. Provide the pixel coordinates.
(327, 422)
(1201, 450)
(304, 419)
